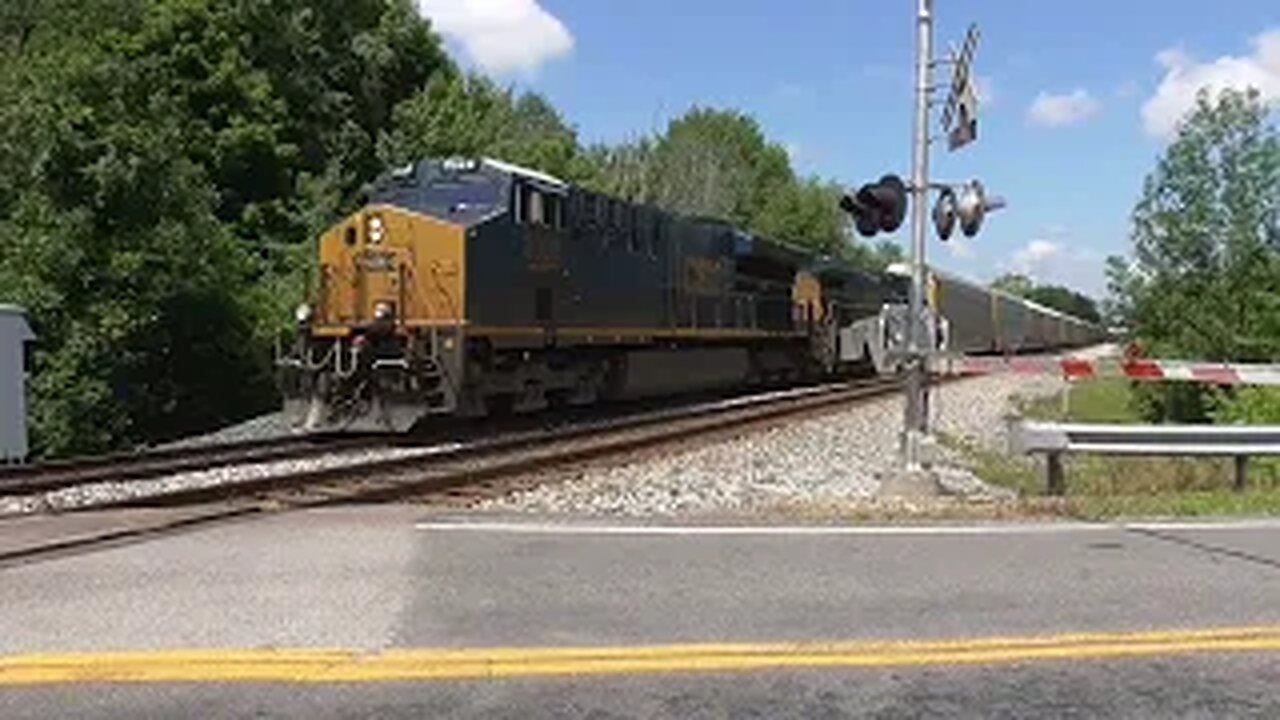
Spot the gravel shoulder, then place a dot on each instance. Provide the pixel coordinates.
(839, 463)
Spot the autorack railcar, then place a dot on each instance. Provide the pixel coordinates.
(983, 320)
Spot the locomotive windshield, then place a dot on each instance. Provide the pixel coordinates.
(462, 195)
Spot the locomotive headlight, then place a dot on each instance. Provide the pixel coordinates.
(302, 314)
(383, 311)
(376, 229)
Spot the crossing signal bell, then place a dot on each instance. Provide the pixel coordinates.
(971, 207)
(944, 214)
(878, 207)
(967, 204)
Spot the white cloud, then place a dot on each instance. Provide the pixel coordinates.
(1060, 110)
(500, 35)
(1028, 259)
(1059, 261)
(960, 248)
(1184, 77)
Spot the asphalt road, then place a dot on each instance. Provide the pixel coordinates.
(379, 581)
(1202, 687)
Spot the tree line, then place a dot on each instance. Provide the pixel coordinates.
(165, 165)
(1052, 296)
(1203, 279)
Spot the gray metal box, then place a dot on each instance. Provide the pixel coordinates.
(14, 334)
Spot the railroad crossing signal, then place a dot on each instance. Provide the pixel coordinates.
(971, 208)
(967, 204)
(944, 214)
(879, 206)
(960, 115)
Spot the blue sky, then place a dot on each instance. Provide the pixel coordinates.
(1081, 99)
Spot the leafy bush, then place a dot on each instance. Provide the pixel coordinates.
(1247, 406)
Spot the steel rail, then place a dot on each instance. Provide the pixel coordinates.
(454, 468)
(60, 474)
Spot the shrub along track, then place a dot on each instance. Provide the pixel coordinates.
(451, 472)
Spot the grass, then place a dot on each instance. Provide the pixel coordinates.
(1100, 487)
(1102, 400)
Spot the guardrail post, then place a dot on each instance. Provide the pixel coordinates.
(1057, 478)
(1242, 472)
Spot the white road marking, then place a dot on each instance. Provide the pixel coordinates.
(571, 528)
(1259, 524)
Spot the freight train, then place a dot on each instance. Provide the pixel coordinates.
(982, 320)
(474, 287)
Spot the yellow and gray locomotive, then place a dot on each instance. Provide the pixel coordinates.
(468, 287)
(464, 287)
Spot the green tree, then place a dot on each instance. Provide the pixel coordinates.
(1052, 296)
(627, 170)
(468, 115)
(1204, 279)
(718, 163)
(161, 162)
(1066, 300)
(1014, 284)
(807, 213)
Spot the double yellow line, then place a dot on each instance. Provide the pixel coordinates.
(320, 665)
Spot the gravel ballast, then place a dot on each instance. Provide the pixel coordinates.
(82, 496)
(838, 459)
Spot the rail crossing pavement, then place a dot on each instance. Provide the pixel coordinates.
(519, 612)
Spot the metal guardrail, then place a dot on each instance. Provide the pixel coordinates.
(1056, 439)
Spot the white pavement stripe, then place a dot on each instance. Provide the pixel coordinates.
(1260, 524)
(543, 528)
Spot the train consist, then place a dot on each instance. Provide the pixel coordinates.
(468, 287)
(982, 320)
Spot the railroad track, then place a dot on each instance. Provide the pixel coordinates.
(119, 467)
(455, 471)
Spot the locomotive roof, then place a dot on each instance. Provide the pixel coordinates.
(524, 172)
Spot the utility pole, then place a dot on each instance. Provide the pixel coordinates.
(916, 426)
(882, 206)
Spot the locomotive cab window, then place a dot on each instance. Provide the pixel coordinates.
(530, 207)
(553, 210)
(534, 206)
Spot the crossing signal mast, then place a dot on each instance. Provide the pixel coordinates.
(882, 206)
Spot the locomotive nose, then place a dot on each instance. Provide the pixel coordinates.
(385, 267)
